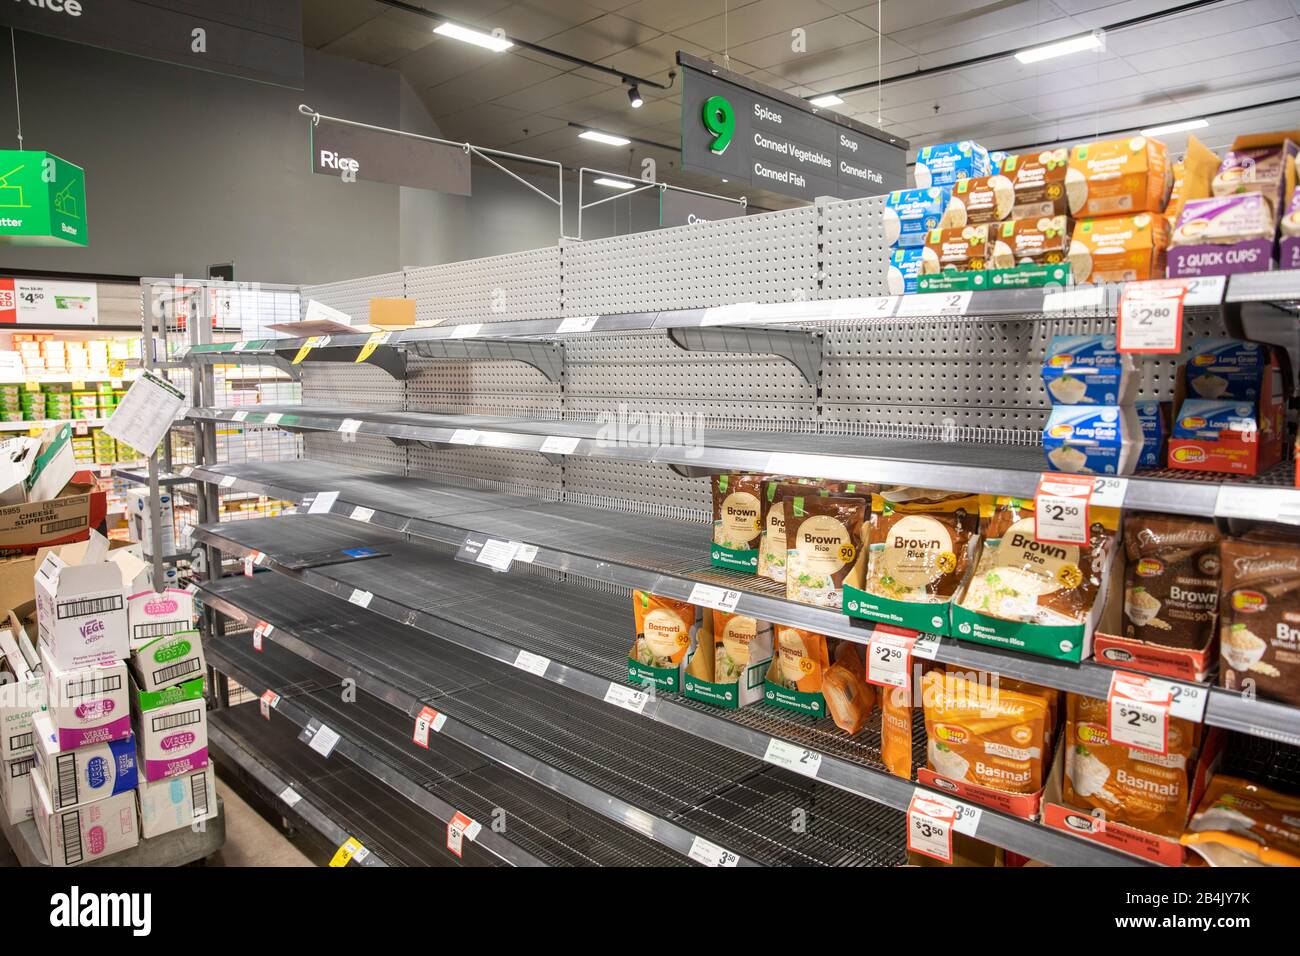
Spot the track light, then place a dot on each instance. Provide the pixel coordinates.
(609, 139)
(488, 41)
(634, 97)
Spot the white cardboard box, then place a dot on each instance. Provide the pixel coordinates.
(82, 774)
(150, 614)
(83, 833)
(137, 510)
(177, 802)
(172, 727)
(87, 705)
(81, 605)
(16, 789)
(166, 661)
(22, 694)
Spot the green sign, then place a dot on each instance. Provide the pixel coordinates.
(42, 200)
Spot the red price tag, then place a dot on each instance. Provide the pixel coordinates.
(260, 631)
(1151, 317)
(427, 720)
(1061, 508)
(889, 659)
(1137, 713)
(459, 829)
(929, 827)
(267, 701)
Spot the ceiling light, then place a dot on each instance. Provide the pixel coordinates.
(634, 97)
(826, 99)
(1089, 41)
(609, 139)
(488, 41)
(1175, 127)
(614, 183)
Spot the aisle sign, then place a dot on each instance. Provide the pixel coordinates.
(29, 302)
(42, 200)
(1061, 508)
(1151, 317)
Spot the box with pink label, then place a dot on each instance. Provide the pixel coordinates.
(1222, 236)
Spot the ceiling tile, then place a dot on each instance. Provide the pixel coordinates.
(1056, 89)
(821, 41)
(1097, 67)
(383, 39)
(324, 21)
(602, 37)
(1224, 44)
(608, 104)
(924, 109)
(442, 60)
(654, 59)
(538, 20)
(753, 21)
(846, 66)
(1196, 77)
(501, 77)
(1198, 25)
(1033, 21)
(665, 15)
(552, 92)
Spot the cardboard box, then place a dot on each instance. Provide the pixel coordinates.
(165, 661)
(177, 802)
(984, 199)
(698, 681)
(80, 775)
(945, 164)
(1222, 236)
(1261, 163)
(87, 705)
(1119, 248)
(35, 469)
(1228, 436)
(88, 832)
(66, 518)
(1044, 184)
(1041, 241)
(905, 269)
(22, 694)
(963, 249)
(910, 214)
(1088, 370)
(81, 605)
(1093, 439)
(141, 520)
(172, 728)
(392, 313)
(150, 614)
(1122, 176)
(16, 788)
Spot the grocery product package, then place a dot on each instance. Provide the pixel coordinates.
(961, 249)
(663, 636)
(1122, 176)
(1171, 580)
(984, 199)
(1289, 247)
(800, 660)
(919, 547)
(1154, 419)
(849, 698)
(730, 661)
(904, 269)
(1093, 439)
(1221, 236)
(1088, 370)
(1119, 248)
(1240, 823)
(1034, 596)
(773, 542)
(1227, 369)
(824, 538)
(1262, 163)
(896, 724)
(986, 734)
(946, 164)
(1041, 241)
(1121, 784)
(737, 521)
(1259, 618)
(910, 214)
(1044, 184)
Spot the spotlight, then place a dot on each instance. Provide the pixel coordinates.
(634, 97)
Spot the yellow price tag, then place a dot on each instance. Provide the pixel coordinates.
(376, 339)
(117, 368)
(78, 386)
(344, 854)
(35, 432)
(307, 346)
(32, 385)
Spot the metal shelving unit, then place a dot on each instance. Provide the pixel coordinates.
(578, 633)
(610, 549)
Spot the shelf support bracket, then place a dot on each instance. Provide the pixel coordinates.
(546, 357)
(799, 347)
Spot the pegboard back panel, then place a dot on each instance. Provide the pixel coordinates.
(353, 295)
(366, 452)
(521, 285)
(480, 388)
(356, 386)
(636, 488)
(769, 257)
(855, 256)
(513, 472)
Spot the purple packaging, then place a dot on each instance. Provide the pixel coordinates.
(1222, 235)
(1289, 248)
(1257, 169)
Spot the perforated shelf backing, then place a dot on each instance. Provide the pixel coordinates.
(480, 388)
(768, 257)
(353, 295)
(521, 285)
(491, 468)
(854, 253)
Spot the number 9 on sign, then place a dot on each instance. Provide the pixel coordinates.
(720, 120)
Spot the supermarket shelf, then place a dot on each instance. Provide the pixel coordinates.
(177, 848)
(954, 466)
(137, 477)
(661, 556)
(282, 352)
(579, 633)
(1281, 288)
(67, 378)
(51, 422)
(542, 829)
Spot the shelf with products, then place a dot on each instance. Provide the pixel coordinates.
(658, 555)
(569, 632)
(956, 466)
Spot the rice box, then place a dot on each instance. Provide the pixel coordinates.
(1092, 439)
(1154, 419)
(1088, 370)
(1227, 369)
(947, 163)
(910, 214)
(904, 269)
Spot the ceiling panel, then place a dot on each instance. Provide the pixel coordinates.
(753, 21)
(383, 39)
(667, 15)
(442, 60)
(1057, 91)
(848, 65)
(1036, 19)
(1241, 41)
(552, 92)
(1199, 25)
(538, 20)
(488, 82)
(324, 21)
(602, 37)
(653, 60)
(924, 109)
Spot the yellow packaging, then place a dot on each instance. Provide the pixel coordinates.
(663, 629)
(896, 730)
(1122, 176)
(800, 659)
(1241, 823)
(1192, 177)
(1119, 248)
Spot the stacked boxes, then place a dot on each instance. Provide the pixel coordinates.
(22, 696)
(1093, 427)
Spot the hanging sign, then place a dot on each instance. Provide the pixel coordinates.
(42, 199)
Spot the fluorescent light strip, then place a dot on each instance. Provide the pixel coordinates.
(826, 99)
(609, 139)
(614, 183)
(1175, 127)
(1089, 41)
(477, 37)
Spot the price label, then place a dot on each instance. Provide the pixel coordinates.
(459, 829)
(926, 646)
(584, 323)
(262, 630)
(350, 849)
(1108, 491)
(559, 445)
(248, 573)
(311, 343)
(290, 796)
(1151, 317)
(877, 307)
(721, 599)
(497, 554)
(376, 339)
(1204, 290)
(710, 854)
(1137, 710)
(627, 698)
(322, 502)
(239, 417)
(1061, 508)
(1187, 701)
(362, 514)
(268, 702)
(965, 817)
(929, 827)
(466, 331)
(533, 663)
(360, 598)
(273, 418)
(350, 426)
(934, 303)
(428, 720)
(889, 660)
(527, 552)
(787, 755)
(324, 740)
(1085, 299)
(464, 436)
(727, 314)
(227, 482)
